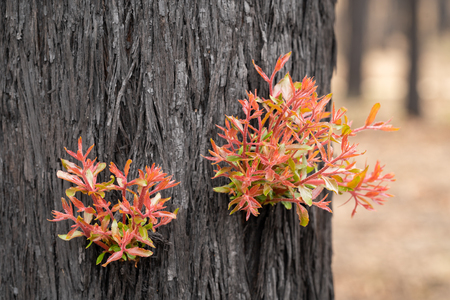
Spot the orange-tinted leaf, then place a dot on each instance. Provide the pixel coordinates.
(88, 151)
(281, 61)
(139, 252)
(373, 114)
(77, 203)
(68, 237)
(389, 128)
(127, 167)
(260, 72)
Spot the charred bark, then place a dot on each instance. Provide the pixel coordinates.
(147, 80)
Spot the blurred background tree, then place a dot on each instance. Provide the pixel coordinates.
(357, 10)
(400, 251)
(367, 25)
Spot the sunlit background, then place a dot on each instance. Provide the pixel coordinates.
(401, 251)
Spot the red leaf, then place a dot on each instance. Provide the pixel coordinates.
(77, 203)
(115, 256)
(260, 71)
(69, 177)
(281, 61)
(88, 151)
(71, 167)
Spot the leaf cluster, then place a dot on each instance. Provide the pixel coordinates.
(124, 239)
(284, 151)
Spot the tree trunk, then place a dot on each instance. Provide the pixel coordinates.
(358, 19)
(413, 100)
(148, 80)
(443, 16)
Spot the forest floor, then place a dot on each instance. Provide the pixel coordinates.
(401, 251)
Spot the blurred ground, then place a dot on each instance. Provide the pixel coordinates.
(401, 251)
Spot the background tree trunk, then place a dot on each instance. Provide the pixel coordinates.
(413, 99)
(147, 80)
(358, 13)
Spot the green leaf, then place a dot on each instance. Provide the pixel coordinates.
(287, 204)
(233, 158)
(90, 243)
(354, 183)
(237, 183)
(291, 164)
(241, 150)
(106, 185)
(87, 217)
(131, 257)
(70, 192)
(306, 194)
(343, 189)
(236, 174)
(267, 189)
(143, 232)
(331, 184)
(90, 177)
(267, 135)
(346, 129)
(114, 248)
(100, 167)
(140, 182)
(100, 257)
(302, 215)
(222, 189)
(221, 171)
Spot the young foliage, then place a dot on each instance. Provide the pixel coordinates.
(127, 237)
(284, 151)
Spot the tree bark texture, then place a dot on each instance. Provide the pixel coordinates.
(148, 80)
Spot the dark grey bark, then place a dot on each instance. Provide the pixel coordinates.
(147, 80)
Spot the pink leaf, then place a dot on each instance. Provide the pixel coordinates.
(115, 256)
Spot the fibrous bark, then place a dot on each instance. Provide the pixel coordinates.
(147, 80)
